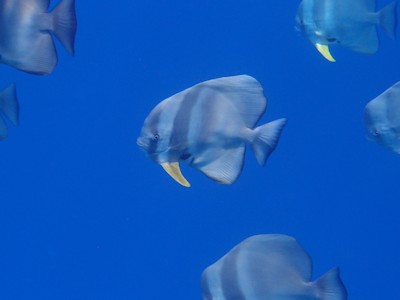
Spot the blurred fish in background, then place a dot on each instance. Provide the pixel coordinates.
(382, 118)
(269, 267)
(351, 24)
(9, 109)
(26, 42)
(207, 126)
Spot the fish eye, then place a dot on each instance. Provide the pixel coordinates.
(331, 39)
(299, 21)
(156, 137)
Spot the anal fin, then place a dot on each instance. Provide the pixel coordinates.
(224, 167)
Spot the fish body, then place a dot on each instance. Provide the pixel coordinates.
(382, 118)
(9, 109)
(351, 24)
(25, 33)
(207, 126)
(269, 267)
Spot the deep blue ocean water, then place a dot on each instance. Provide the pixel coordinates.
(85, 215)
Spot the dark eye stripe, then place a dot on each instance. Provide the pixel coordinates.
(230, 282)
(152, 146)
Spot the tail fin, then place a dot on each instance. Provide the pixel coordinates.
(388, 19)
(9, 107)
(266, 139)
(330, 286)
(64, 24)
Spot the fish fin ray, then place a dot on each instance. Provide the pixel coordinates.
(42, 56)
(9, 104)
(295, 257)
(330, 286)
(64, 24)
(225, 168)
(266, 139)
(388, 19)
(244, 92)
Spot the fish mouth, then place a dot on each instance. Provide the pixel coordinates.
(371, 137)
(144, 145)
(153, 155)
(140, 143)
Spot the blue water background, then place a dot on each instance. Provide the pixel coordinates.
(85, 215)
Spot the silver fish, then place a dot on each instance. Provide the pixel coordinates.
(25, 33)
(207, 126)
(269, 267)
(351, 24)
(9, 109)
(382, 118)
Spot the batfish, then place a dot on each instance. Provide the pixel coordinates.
(26, 26)
(382, 118)
(349, 23)
(269, 267)
(207, 126)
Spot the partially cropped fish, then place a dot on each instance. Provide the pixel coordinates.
(9, 109)
(382, 118)
(269, 267)
(207, 126)
(26, 26)
(349, 23)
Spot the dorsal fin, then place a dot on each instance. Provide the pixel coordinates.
(244, 92)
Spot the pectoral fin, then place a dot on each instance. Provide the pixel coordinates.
(175, 172)
(324, 50)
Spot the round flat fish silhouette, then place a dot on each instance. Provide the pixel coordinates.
(269, 267)
(208, 126)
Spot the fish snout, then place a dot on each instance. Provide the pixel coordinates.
(141, 143)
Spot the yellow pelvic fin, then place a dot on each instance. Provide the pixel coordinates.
(175, 172)
(324, 50)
